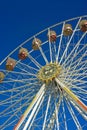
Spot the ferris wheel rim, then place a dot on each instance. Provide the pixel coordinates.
(28, 39)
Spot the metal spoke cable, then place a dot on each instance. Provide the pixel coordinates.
(69, 42)
(46, 113)
(60, 42)
(73, 115)
(43, 54)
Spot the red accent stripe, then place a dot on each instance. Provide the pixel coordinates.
(15, 128)
(82, 105)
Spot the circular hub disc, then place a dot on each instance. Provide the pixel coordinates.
(49, 72)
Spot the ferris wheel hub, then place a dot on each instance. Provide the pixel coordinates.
(49, 72)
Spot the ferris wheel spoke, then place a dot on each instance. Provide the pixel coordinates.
(83, 67)
(34, 61)
(54, 117)
(80, 91)
(37, 121)
(75, 74)
(78, 109)
(36, 113)
(64, 115)
(57, 57)
(2, 127)
(12, 115)
(74, 68)
(73, 79)
(43, 54)
(50, 46)
(81, 96)
(69, 70)
(18, 90)
(53, 48)
(79, 64)
(28, 66)
(24, 70)
(16, 110)
(79, 77)
(15, 72)
(4, 112)
(73, 96)
(78, 72)
(70, 66)
(68, 44)
(19, 80)
(9, 124)
(57, 120)
(68, 60)
(78, 84)
(30, 107)
(73, 115)
(38, 103)
(46, 113)
(17, 94)
(79, 81)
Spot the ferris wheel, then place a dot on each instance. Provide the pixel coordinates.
(43, 82)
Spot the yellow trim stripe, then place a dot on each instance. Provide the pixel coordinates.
(26, 112)
(70, 93)
(75, 98)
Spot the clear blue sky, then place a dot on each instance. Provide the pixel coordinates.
(20, 19)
